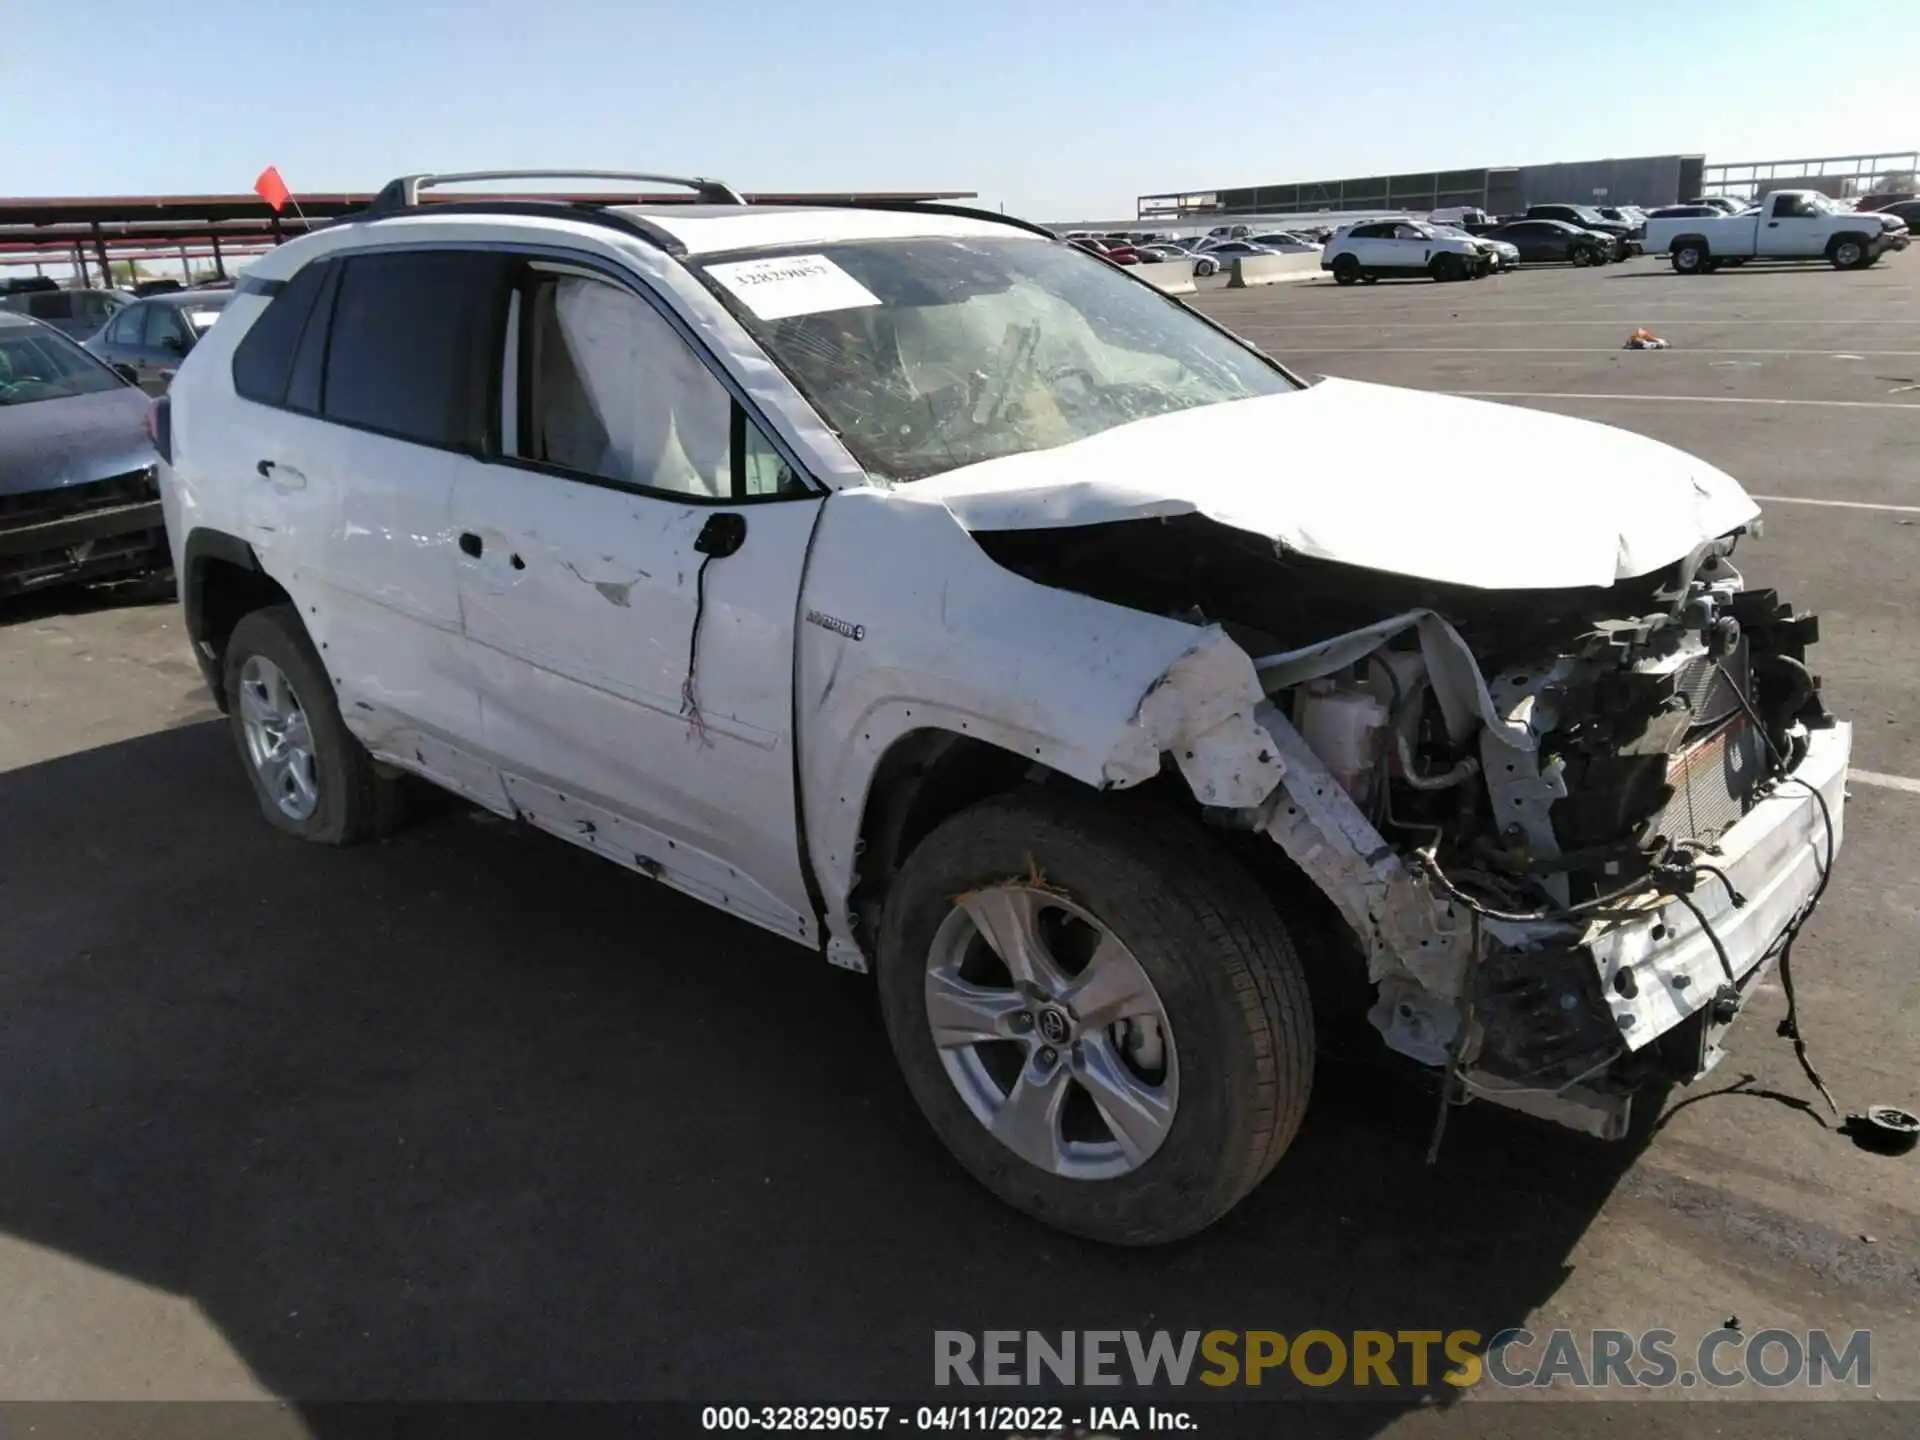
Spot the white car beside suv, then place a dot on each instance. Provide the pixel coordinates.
(1375, 249)
(963, 609)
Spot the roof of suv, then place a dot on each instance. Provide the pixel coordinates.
(709, 229)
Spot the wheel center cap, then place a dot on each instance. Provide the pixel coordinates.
(1053, 1025)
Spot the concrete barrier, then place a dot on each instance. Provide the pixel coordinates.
(1175, 277)
(1273, 269)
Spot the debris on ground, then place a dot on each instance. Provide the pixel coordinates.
(1644, 340)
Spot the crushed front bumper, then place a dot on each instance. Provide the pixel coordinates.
(1659, 970)
(88, 545)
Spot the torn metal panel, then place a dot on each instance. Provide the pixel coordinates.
(1202, 712)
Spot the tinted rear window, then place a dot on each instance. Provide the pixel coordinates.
(414, 343)
(264, 357)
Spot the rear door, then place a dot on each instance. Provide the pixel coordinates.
(629, 573)
(371, 380)
(164, 342)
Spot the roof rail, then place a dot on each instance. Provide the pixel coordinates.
(404, 193)
(936, 207)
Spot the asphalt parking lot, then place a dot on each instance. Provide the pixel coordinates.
(470, 1114)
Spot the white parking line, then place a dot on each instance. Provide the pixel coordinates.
(1838, 504)
(1885, 782)
(1467, 318)
(1680, 399)
(1584, 350)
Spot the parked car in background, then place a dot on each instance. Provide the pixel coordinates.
(1217, 256)
(1229, 232)
(1725, 204)
(1789, 225)
(1505, 256)
(1283, 242)
(1460, 215)
(1588, 218)
(147, 340)
(77, 314)
(1379, 248)
(78, 499)
(1547, 241)
(1884, 199)
(1632, 216)
(1686, 212)
(1907, 210)
(1165, 253)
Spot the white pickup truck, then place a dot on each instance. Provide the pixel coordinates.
(1786, 225)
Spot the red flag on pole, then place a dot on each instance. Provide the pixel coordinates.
(272, 189)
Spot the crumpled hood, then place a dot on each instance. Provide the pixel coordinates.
(48, 443)
(1433, 486)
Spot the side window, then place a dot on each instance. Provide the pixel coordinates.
(304, 382)
(164, 324)
(1787, 206)
(1407, 232)
(264, 356)
(763, 469)
(125, 329)
(412, 347)
(613, 392)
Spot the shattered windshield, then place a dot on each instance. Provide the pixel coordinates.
(930, 354)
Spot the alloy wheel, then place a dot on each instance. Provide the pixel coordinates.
(279, 740)
(1052, 1032)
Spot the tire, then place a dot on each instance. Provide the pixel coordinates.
(1690, 258)
(349, 799)
(1369, 279)
(1446, 268)
(1233, 1031)
(1204, 268)
(1580, 255)
(1848, 253)
(1346, 269)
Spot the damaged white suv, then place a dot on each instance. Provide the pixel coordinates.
(952, 603)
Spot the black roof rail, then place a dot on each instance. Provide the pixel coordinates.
(935, 207)
(403, 193)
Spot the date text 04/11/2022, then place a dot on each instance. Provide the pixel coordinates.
(979, 1419)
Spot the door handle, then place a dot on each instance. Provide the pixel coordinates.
(471, 544)
(281, 476)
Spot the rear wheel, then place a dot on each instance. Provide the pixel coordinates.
(1346, 269)
(1690, 258)
(1102, 1017)
(312, 778)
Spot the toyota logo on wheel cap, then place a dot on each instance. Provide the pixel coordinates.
(1053, 1025)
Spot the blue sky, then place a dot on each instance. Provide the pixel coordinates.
(1059, 110)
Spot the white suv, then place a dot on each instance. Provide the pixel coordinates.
(962, 608)
(1377, 248)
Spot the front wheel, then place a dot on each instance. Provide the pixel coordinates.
(1102, 1016)
(311, 777)
(1581, 256)
(1204, 268)
(1446, 267)
(1848, 255)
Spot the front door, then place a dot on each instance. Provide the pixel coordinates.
(1793, 226)
(629, 572)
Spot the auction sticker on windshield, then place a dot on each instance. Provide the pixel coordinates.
(793, 285)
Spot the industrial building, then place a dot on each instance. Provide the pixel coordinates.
(1500, 190)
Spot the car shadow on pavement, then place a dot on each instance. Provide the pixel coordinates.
(471, 1114)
